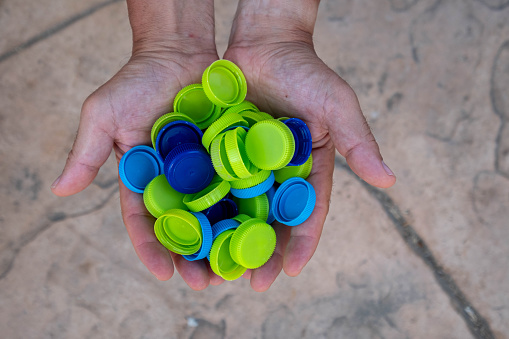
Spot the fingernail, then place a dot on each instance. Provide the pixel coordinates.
(55, 183)
(387, 169)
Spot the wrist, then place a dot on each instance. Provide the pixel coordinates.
(186, 26)
(274, 20)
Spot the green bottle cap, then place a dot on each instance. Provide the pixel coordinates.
(224, 83)
(254, 180)
(253, 243)
(220, 159)
(207, 197)
(221, 124)
(192, 101)
(241, 218)
(159, 197)
(267, 116)
(221, 261)
(257, 207)
(288, 172)
(236, 152)
(270, 144)
(165, 120)
(179, 231)
(242, 107)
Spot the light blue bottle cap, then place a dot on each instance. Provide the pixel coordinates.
(221, 226)
(188, 168)
(270, 196)
(254, 191)
(303, 141)
(294, 201)
(138, 167)
(176, 133)
(207, 238)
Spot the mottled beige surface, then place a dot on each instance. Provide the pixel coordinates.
(433, 80)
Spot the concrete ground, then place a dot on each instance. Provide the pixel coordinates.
(427, 258)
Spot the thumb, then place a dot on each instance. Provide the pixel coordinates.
(89, 152)
(353, 139)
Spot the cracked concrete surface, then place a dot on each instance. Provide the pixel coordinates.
(424, 259)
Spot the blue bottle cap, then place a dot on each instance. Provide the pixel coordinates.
(221, 226)
(176, 133)
(294, 201)
(254, 191)
(270, 195)
(303, 141)
(223, 209)
(138, 167)
(188, 168)
(207, 238)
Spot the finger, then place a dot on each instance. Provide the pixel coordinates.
(304, 238)
(263, 277)
(352, 137)
(194, 273)
(140, 227)
(247, 274)
(215, 280)
(90, 150)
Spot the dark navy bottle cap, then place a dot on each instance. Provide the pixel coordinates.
(294, 201)
(176, 133)
(270, 195)
(207, 238)
(138, 167)
(303, 141)
(223, 209)
(188, 168)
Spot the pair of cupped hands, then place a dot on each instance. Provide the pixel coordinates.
(285, 77)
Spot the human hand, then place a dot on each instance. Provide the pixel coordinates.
(120, 115)
(271, 41)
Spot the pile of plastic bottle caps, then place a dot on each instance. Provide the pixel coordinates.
(220, 172)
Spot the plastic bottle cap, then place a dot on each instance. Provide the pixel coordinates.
(179, 231)
(253, 243)
(207, 197)
(236, 153)
(254, 191)
(241, 218)
(188, 168)
(267, 116)
(224, 83)
(220, 125)
(220, 159)
(224, 225)
(293, 202)
(138, 167)
(303, 141)
(256, 179)
(270, 144)
(220, 258)
(288, 172)
(163, 121)
(242, 107)
(176, 133)
(206, 244)
(257, 207)
(223, 209)
(193, 102)
(159, 197)
(252, 117)
(270, 197)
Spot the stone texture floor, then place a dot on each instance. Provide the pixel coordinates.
(424, 259)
